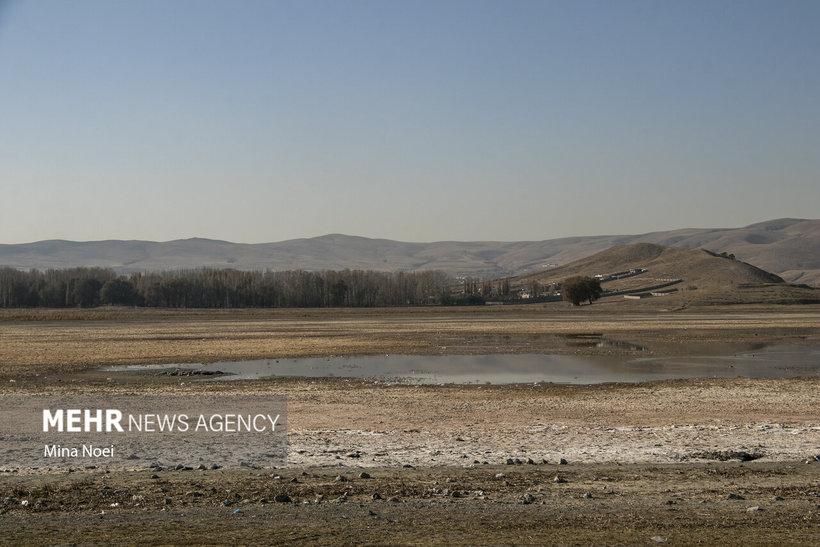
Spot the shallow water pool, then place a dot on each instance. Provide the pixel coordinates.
(779, 361)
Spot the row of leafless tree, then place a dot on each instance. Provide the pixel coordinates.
(221, 288)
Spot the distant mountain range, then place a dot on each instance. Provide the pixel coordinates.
(787, 247)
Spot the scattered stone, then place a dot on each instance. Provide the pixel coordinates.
(588, 496)
(562, 461)
(500, 475)
(201, 467)
(238, 512)
(530, 461)
(132, 457)
(282, 498)
(394, 499)
(754, 509)
(408, 466)
(341, 478)
(778, 498)
(510, 461)
(354, 455)
(194, 494)
(558, 479)
(734, 496)
(215, 466)
(364, 475)
(658, 539)
(527, 499)
(154, 476)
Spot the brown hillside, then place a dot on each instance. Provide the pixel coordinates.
(787, 247)
(692, 266)
(690, 274)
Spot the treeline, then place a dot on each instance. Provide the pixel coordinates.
(218, 288)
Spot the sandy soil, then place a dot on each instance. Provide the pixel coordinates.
(656, 460)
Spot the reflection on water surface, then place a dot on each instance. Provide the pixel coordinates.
(783, 361)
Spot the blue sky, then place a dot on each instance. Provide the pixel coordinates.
(262, 121)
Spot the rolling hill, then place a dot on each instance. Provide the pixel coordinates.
(656, 264)
(788, 247)
(672, 277)
(677, 275)
(643, 268)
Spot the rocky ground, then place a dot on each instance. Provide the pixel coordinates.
(717, 502)
(726, 461)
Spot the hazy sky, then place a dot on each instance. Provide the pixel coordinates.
(258, 121)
